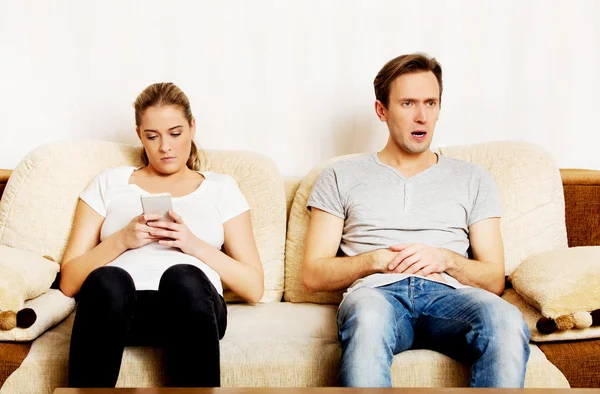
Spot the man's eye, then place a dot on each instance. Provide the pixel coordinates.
(431, 103)
(406, 103)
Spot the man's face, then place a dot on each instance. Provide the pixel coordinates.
(412, 111)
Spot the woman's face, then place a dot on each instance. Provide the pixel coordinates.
(167, 137)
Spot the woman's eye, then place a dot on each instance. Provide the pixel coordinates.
(176, 134)
(152, 137)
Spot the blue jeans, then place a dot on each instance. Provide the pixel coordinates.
(470, 325)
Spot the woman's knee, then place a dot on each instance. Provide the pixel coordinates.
(186, 285)
(108, 287)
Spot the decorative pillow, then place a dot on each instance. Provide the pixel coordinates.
(564, 285)
(26, 276)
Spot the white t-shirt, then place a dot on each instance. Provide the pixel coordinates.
(204, 211)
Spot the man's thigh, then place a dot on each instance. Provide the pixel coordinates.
(451, 321)
(372, 313)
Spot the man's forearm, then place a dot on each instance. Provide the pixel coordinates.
(482, 274)
(338, 273)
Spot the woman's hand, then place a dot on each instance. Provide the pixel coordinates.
(137, 233)
(176, 235)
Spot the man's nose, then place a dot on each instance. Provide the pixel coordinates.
(421, 115)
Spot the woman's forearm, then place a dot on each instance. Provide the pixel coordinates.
(243, 279)
(74, 271)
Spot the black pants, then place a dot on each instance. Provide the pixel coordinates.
(186, 316)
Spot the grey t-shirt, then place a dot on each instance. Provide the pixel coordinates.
(381, 208)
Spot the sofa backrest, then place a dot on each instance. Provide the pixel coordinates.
(533, 210)
(38, 205)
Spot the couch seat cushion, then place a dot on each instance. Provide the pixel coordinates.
(277, 344)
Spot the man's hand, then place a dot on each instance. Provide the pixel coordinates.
(414, 259)
(418, 259)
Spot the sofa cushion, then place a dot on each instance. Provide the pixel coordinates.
(36, 272)
(38, 205)
(269, 345)
(532, 315)
(530, 185)
(533, 208)
(559, 284)
(51, 308)
(25, 280)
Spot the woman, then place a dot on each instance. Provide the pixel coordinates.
(145, 280)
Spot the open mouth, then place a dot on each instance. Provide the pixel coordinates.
(419, 135)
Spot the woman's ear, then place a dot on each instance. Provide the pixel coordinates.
(137, 131)
(193, 127)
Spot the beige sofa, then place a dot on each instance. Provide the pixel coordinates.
(276, 342)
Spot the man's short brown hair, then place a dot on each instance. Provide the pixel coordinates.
(404, 64)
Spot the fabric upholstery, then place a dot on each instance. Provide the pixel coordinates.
(579, 361)
(267, 345)
(51, 308)
(576, 289)
(37, 272)
(291, 185)
(38, 205)
(299, 218)
(533, 207)
(26, 276)
(12, 355)
(309, 356)
(532, 315)
(582, 206)
(4, 176)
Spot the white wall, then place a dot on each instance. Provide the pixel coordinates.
(293, 79)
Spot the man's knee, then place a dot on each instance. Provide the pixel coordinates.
(366, 312)
(505, 323)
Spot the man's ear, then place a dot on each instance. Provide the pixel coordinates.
(381, 111)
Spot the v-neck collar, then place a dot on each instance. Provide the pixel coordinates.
(417, 175)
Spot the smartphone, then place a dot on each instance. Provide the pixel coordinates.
(158, 204)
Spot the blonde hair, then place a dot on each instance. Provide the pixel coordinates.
(161, 95)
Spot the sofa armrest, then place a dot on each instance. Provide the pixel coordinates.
(4, 175)
(582, 206)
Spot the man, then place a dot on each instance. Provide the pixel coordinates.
(405, 219)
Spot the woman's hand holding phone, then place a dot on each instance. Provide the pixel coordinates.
(175, 234)
(137, 232)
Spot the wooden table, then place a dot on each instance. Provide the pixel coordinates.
(322, 390)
